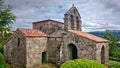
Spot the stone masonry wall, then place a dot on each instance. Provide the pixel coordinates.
(8, 50)
(34, 48)
(58, 51)
(14, 53)
(86, 48)
(53, 49)
(48, 27)
(98, 52)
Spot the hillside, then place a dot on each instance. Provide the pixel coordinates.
(101, 33)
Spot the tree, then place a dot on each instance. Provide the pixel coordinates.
(112, 38)
(6, 17)
(113, 44)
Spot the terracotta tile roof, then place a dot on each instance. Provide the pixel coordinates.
(88, 36)
(32, 32)
(47, 21)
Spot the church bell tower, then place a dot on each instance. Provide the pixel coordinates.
(72, 19)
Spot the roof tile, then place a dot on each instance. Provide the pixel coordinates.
(88, 36)
(32, 32)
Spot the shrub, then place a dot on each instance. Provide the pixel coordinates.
(3, 64)
(1, 48)
(82, 63)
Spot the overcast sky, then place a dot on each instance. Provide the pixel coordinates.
(96, 15)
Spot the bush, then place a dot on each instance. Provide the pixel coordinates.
(82, 63)
(3, 64)
(1, 48)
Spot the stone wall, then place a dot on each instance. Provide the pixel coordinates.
(106, 55)
(48, 27)
(58, 49)
(34, 48)
(7, 50)
(53, 49)
(14, 53)
(85, 47)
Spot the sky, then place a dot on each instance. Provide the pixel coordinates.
(97, 15)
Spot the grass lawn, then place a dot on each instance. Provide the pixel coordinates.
(45, 66)
(114, 64)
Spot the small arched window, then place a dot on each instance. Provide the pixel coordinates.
(40, 27)
(72, 21)
(74, 11)
(18, 42)
(77, 23)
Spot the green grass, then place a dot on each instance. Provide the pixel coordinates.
(114, 64)
(48, 65)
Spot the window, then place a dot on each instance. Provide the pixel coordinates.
(77, 23)
(72, 21)
(18, 41)
(40, 27)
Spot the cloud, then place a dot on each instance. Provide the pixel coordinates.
(96, 14)
(113, 4)
(100, 26)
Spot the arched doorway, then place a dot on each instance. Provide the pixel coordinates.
(103, 55)
(72, 51)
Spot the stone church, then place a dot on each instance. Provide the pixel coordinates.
(55, 42)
